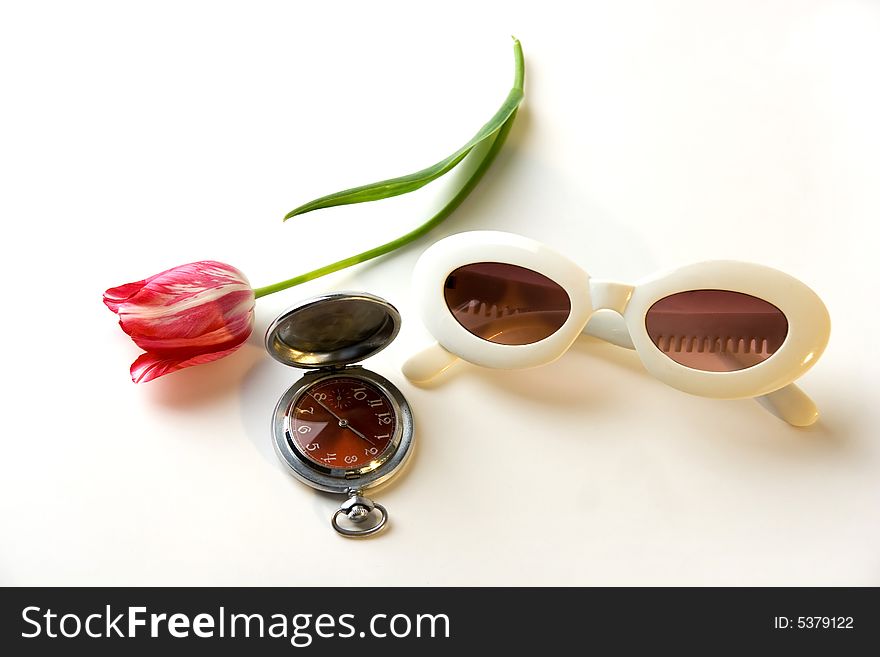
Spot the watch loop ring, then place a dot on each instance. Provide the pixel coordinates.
(359, 513)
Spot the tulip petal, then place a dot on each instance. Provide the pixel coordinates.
(116, 296)
(228, 333)
(180, 324)
(184, 316)
(151, 366)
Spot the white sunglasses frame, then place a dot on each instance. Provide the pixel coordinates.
(770, 381)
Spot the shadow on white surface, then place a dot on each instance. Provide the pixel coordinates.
(206, 384)
(578, 380)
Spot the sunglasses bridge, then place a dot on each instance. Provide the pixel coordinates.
(610, 327)
(608, 295)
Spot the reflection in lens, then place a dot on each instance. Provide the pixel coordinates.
(716, 330)
(505, 303)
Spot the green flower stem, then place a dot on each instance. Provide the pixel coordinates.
(410, 236)
(467, 187)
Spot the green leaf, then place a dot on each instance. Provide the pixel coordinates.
(491, 145)
(413, 181)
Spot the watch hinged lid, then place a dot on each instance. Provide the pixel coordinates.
(332, 330)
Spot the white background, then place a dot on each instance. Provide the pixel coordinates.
(138, 136)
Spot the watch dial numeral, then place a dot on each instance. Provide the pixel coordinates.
(342, 422)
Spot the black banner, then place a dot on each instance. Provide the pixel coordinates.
(391, 621)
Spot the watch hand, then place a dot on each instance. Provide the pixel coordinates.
(358, 432)
(327, 408)
(342, 422)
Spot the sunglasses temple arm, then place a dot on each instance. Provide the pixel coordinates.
(789, 403)
(428, 363)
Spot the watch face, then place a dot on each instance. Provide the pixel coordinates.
(342, 422)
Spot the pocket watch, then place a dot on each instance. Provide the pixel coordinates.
(340, 428)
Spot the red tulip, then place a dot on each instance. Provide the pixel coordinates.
(185, 316)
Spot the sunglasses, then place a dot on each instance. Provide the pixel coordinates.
(722, 329)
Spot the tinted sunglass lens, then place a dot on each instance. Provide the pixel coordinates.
(506, 304)
(716, 330)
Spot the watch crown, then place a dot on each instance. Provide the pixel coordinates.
(357, 501)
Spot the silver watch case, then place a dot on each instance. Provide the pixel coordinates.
(328, 335)
(342, 480)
